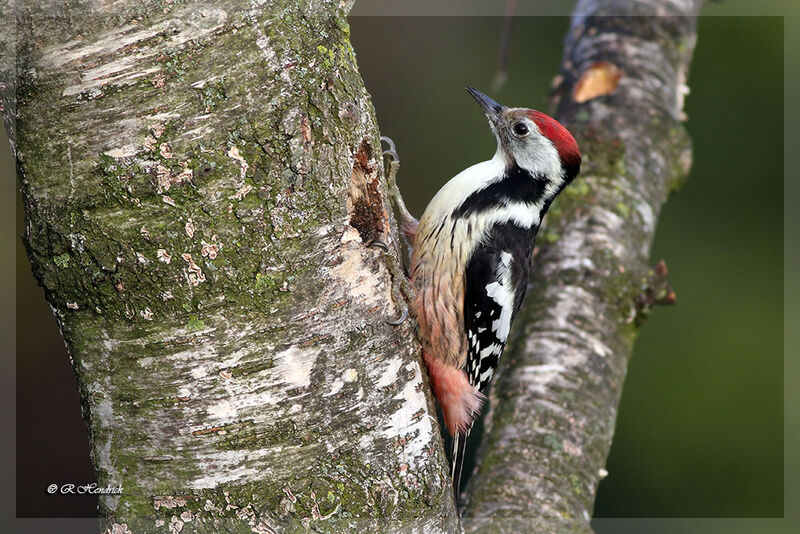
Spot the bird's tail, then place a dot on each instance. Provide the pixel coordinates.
(459, 450)
(460, 402)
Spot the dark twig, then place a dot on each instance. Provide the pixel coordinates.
(505, 46)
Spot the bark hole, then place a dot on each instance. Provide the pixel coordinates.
(364, 201)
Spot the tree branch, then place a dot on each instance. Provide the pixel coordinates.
(554, 403)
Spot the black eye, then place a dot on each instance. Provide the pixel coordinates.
(521, 129)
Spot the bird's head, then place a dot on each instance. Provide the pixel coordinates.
(532, 140)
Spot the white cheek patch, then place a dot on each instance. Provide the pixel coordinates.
(539, 156)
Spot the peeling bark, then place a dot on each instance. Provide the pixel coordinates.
(554, 402)
(200, 181)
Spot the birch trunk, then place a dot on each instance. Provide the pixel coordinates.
(200, 182)
(554, 402)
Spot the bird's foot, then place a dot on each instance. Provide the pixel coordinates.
(408, 224)
(401, 291)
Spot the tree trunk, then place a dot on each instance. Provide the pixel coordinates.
(200, 182)
(554, 402)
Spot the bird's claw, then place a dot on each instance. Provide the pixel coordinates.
(392, 150)
(403, 317)
(378, 243)
(388, 140)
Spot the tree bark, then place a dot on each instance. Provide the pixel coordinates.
(554, 402)
(200, 182)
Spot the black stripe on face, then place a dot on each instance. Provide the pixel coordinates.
(517, 185)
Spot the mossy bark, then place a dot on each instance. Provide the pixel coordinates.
(200, 182)
(554, 402)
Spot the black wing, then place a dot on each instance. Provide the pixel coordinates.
(496, 280)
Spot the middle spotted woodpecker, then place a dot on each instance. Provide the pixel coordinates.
(471, 256)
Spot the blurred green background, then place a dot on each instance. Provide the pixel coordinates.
(700, 430)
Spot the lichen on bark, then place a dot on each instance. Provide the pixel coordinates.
(188, 172)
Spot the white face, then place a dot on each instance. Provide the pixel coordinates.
(522, 142)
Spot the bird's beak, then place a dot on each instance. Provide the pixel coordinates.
(490, 107)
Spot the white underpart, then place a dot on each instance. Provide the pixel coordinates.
(502, 292)
(462, 185)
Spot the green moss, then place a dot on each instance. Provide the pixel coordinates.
(194, 323)
(602, 155)
(62, 260)
(212, 94)
(175, 63)
(247, 436)
(575, 484)
(265, 282)
(265, 362)
(578, 188)
(552, 442)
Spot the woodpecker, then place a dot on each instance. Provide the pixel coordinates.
(471, 256)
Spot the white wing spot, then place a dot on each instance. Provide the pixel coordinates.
(494, 348)
(502, 293)
(486, 375)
